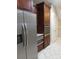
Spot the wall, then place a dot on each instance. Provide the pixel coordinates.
(53, 20)
(37, 1)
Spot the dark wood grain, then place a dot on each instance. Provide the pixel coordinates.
(40, 18)
(43, 19)
(46, 41)
(40, 47)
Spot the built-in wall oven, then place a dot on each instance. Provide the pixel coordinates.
(26, 35)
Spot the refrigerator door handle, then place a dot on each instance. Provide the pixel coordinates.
(24, 36)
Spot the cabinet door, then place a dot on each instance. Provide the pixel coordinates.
(25, 4)
(40, 18)
(19, 4)
(46, 15)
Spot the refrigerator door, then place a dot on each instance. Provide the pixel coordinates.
(31, 42)
(21, 50)
(19, 21)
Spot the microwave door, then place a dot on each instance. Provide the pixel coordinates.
(21, 50)
(30, 28)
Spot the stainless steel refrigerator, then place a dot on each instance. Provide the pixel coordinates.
(26, 35)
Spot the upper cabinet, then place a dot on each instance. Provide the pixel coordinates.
(43, 17)
(25, 5)
(46, 15)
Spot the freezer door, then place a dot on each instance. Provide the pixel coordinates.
(30, 25)
(19, 21)
(21, 53)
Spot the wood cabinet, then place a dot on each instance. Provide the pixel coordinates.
(46, 40)
(43, 22)
(18, 3)
(26, 5)
(40, 46)
(40, 18)
(46, 15)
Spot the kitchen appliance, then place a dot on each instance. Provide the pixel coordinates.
(26, 35)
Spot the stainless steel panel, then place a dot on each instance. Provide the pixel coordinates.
(21, 50)
(19, 21)
(31, 42)
(26, 25)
